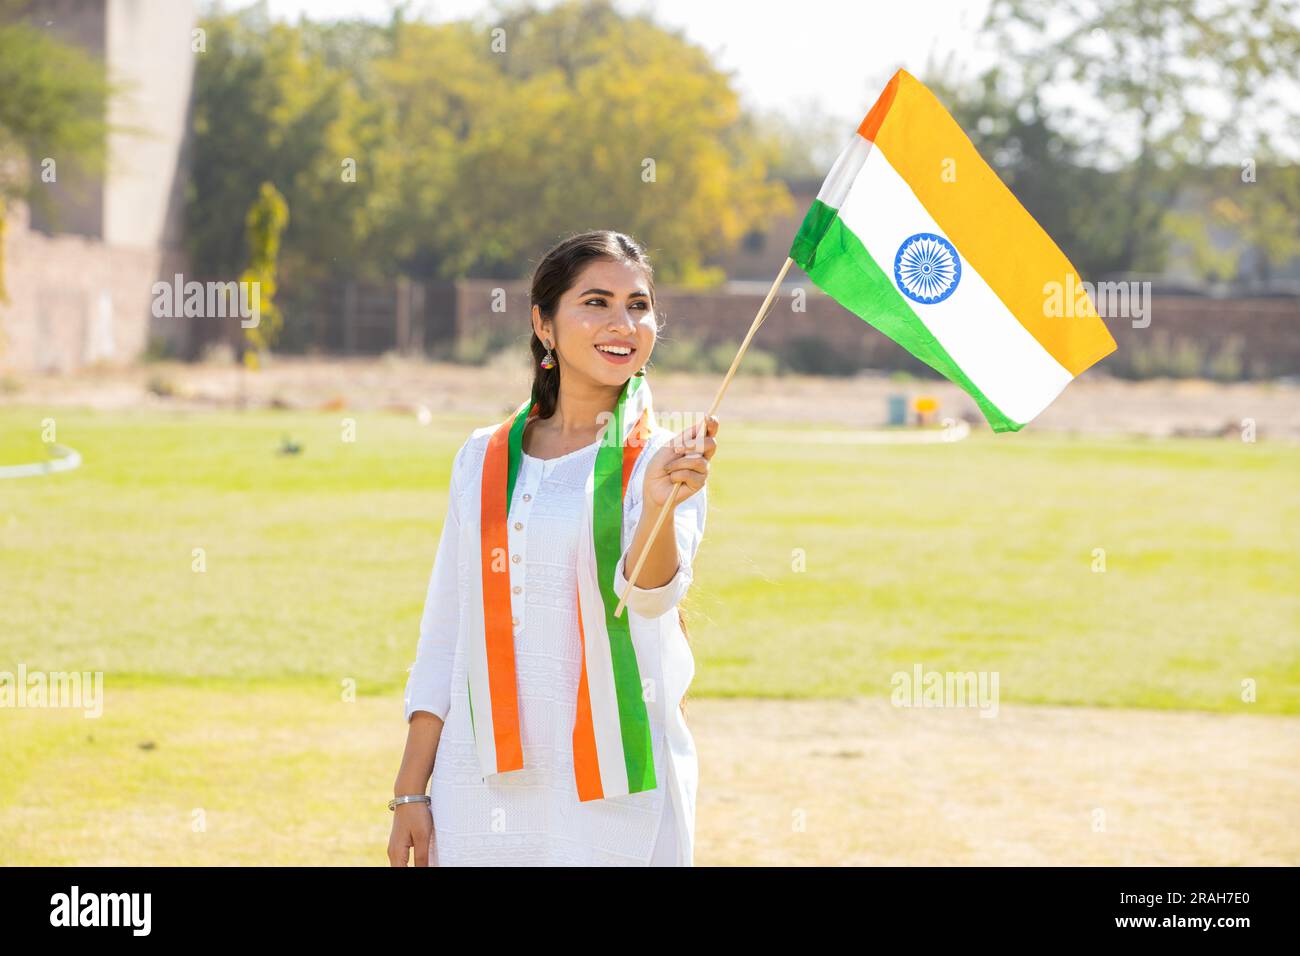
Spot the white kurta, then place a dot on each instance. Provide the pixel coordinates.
(532, 816)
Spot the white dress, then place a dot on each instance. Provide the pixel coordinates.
(532, 816)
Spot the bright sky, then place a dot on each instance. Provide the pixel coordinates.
(832, 53)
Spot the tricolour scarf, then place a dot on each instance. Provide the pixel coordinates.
(611, 734)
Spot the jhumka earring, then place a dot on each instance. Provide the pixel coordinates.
(548, 360)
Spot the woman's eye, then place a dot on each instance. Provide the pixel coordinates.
(639, 304)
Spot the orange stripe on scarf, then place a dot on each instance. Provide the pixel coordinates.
(498, 630)
(586, 762)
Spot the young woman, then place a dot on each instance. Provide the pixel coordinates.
(553, 729)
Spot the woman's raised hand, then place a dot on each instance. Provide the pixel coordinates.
(685, 459)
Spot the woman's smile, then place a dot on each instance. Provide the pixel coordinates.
(617, 352)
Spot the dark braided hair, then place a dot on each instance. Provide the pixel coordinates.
(554, 276)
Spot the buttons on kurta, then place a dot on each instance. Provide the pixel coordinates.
(528, 478)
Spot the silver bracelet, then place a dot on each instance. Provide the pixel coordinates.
(409, 798)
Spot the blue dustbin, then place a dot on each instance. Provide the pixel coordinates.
(897, 409)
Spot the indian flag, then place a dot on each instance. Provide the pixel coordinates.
(913, 232)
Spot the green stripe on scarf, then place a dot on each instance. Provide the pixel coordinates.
(607, 507)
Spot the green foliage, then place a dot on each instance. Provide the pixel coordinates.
(473, 151)
(1258, 203)
(1227, 364)
(481, 347)
(1081, 207)
(158, 349)
(689, 353)
(52, 105)
(814, 355)
(1148, 97)
(1162, 355)
(264, 223)
(270, 107)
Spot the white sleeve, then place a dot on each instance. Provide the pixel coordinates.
(429, 686)
(688, 521)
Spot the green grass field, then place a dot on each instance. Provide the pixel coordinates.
(226, 690)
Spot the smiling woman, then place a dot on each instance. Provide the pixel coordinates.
(546, 729)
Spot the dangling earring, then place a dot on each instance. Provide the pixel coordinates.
(640, 371)
(548, 360)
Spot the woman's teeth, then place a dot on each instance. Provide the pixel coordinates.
(616, 354)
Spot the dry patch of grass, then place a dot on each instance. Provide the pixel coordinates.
(294, 775)
(865, 783)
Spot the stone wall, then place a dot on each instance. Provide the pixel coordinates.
(76, 301)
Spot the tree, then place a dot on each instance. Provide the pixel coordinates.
(501, 137)
(1151, 91)
(472, 146)
(1077, 204)
(268, 107)
(54, 106)
(263, 225)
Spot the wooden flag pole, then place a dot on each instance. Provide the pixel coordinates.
(713, 409)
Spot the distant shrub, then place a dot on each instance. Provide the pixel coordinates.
(159, 349)
(1228, 364)
(161, 385)
(1159, 355)
(481, 346)
(691, 354)
(814, 355)
(757, 361)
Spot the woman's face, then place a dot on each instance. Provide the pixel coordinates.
(604, 326)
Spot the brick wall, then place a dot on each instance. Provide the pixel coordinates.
(1263, 333)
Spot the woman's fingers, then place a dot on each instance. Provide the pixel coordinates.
(398, 854)
(691, 450)
(689, 463)
(691, 472)
(690, 479)
(698, 436)
(697, 446)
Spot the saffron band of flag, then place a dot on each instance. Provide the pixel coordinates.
(611, 734)
(913, 232)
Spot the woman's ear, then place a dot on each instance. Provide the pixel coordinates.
(540, 326)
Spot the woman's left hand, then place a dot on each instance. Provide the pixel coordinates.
(686, 459)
